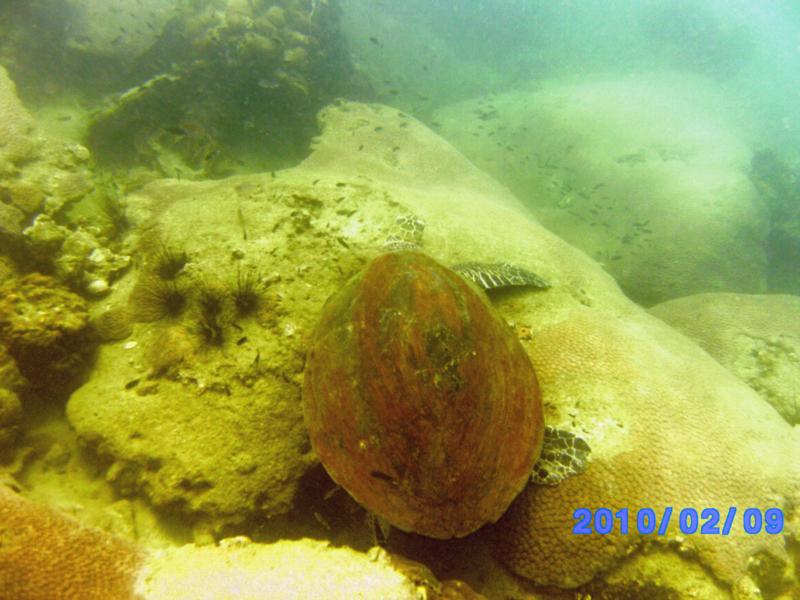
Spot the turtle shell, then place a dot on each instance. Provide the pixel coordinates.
(419, 399)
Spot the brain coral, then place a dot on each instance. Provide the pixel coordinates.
(755, 336)
(684, 434)
(45, 555)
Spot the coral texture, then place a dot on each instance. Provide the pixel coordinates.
(756, 337)
(45, 555)
(45, 328)
(665, 455)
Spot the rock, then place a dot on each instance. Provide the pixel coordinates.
(11, 220)
(45, 235)
(756, 337)
(18, 138)
(10, 417)
(112, 29)
(45, 328)
(242, 570)
(27, 198)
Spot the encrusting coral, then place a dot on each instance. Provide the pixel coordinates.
(45, 555)
(45, 328)
(41, 181)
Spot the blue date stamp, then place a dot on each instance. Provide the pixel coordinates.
(690, 521)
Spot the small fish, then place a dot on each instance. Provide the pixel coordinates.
(65, 118)
(175, 130)
(268, 84)
(375, 41)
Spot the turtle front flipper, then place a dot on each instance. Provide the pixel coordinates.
(490, 276)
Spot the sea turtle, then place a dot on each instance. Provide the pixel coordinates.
(407, 235)
(564, 453)
(420, 400)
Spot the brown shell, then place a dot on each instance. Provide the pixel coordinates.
(420, 400)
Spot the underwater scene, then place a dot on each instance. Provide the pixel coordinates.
(415, 299)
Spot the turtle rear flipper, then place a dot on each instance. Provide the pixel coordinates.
(563, 454)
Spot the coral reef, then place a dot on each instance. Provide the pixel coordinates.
(419, 400)
(44, 326)
(281, 62)
(42, 184)
(642, 396)
(622, 169)
(46, 555)
(756, 337)
(17, 131)
(10, 417)
(215, 433)
(665, 457)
